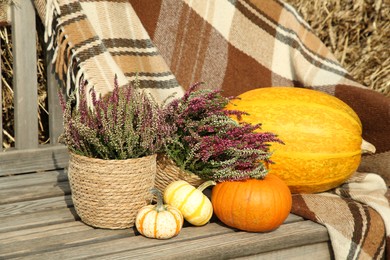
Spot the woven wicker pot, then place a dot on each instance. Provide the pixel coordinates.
(168, 171)
(109, 193)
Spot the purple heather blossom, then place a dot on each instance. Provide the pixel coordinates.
(124, 124)
(211, 144)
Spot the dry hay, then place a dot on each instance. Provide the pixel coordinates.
(6, 87)
(357, 32)
(8, 94)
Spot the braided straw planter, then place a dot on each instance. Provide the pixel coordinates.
(109, 193)
(168, 171)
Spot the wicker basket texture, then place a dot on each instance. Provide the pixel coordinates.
(109, 193)
(168, 172)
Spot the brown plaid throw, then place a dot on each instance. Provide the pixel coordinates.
(350, 213)
(236, 45)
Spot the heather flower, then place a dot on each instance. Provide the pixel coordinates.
(127, 123)
(210, 144)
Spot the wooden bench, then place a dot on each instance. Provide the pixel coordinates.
(38, 221)
(37, 218)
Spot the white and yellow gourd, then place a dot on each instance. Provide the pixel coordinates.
(159, 221)
(193, 204)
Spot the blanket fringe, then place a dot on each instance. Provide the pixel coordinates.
(52, 10)
(64, 58)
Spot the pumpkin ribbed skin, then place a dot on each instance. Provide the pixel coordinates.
(322, 135)
(252, 205)
(192, 203)
(162, 224)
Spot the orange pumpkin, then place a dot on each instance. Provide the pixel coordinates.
(322, 135)
(252, 205)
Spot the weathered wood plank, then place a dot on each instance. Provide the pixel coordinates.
(55, 110)
(234, 244)
(30, 193)
(33, 179)
(128, 243)
(320, 251)
(63, 240)
(37, 219)
(42, 232)
(27, 207)
(212, 241)
(293, 218)
(44, 158)
(25, 75)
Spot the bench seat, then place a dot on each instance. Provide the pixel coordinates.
(38, 221)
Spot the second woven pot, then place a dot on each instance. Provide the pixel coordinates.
(168, 171)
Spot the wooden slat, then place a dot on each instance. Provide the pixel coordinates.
(212, 241)
(128, 243)
(30, 193)
(32, 179)
(231, 245)
(41, 159)
(27, 207)
(55, 111)
(60, 240)
(42, 232)
(25, 75)
(42, 218)
(319, 251)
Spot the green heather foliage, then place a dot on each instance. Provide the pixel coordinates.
(127, 123)
(210, 144)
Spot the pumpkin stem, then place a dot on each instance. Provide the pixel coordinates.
(160, 204)
(206, 184)
(367, 147)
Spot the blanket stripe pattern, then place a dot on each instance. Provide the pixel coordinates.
(235, 45)
(349, 212)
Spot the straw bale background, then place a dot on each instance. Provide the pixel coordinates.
(356, 31)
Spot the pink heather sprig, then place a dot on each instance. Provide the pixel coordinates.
(126, 123)
(209, 143)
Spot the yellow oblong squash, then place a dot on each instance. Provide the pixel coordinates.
(322, 135)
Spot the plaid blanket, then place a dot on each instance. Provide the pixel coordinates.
(236, 45)
(350, 213)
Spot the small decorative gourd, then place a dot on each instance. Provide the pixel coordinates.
(159, 221)
(322, 135)
(193, 204)
(256, 205)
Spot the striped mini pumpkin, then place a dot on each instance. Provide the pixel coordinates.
(159, 221)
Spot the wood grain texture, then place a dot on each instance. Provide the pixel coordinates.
(25, 76)
(33, 220)
(32, 160)
(42, 231)
(232, 244)
(27, 207)
(65, 240)
(17, 181)
(34, 192)
(319, 251)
